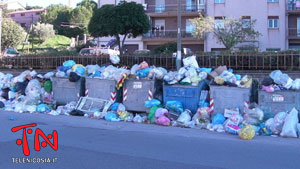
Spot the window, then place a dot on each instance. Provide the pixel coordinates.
(22, 14)
(272, 0)
(246, 21)
(159, 6)
(191, 5)
(37, 13)
(219, 1)
(273, 49)
(219, 23)
(23, 25)
(298, 26)
(273, 22)
(189, 27)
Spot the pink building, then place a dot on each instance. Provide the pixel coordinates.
(270, 16)
(278, 22)
(27, 17)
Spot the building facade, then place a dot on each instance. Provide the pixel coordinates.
(270, 19)
(27, 17)
(278, 22)
(293, 25)
(163, 19)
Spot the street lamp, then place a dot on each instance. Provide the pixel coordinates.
(178, 58)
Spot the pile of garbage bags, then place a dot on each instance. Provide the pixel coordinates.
(27, 92)
(246, 124)
(224, 76)
(279, 81)
(32, 92)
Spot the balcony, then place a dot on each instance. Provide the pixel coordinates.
(294, 33)
(171, 10)
(167, 35)
(293, 7)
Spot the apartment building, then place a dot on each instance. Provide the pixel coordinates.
(293, 26)
(163, 18)
(278, 22)
(27, 17)
(270, 19)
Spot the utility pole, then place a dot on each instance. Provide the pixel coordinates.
(178, 56)
(0, 31)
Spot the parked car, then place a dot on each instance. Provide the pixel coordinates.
(11, 52)
(142, 52)
(90, 52)
(98, 51)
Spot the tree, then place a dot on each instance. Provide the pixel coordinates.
(43, 31)
(12, 34)
(56, 14)
(33, 7)
(229, 32)
(88, 4)
(128, 19)
(81, 16)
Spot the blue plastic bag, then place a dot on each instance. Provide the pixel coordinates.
(114, 107)
(143, 72)
(203, 103)
(80, 70)
(63, 69)
(96, 74)
(13, 89)
(238, 77)
(174, 106)
(218, 119)
(152, 103)
(112, 117)
(230, 70)
(43, 108)
(69, 63)
(207, 70)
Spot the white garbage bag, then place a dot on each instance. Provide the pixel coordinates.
(115, 59)
(296, 84)
(190, 61)
(290, 124)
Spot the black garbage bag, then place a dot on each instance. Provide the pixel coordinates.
(267, 81)
(76, 113)
(21, 87)
(4, 93)
(74, 77)
(2, 105)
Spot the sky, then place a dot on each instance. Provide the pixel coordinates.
(45, 3)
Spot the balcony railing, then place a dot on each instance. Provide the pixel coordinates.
(173, 8)
(167, 34)
(294, 33)
(292, 6)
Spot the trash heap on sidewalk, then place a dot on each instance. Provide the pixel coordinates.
(279, 81)
(186, 103)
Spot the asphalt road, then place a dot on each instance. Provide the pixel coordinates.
(97, 144)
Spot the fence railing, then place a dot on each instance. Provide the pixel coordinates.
(294, 32)
(237, 61)
(167, 34)
(293, 6)
(173, 8)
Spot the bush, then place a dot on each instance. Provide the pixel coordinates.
(43, 31)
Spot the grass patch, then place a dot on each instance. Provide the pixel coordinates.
(57, 42)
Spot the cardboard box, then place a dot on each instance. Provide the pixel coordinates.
(229, 112)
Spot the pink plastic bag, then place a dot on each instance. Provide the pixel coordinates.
(143, 65)
(161, 112)
(163, 121)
